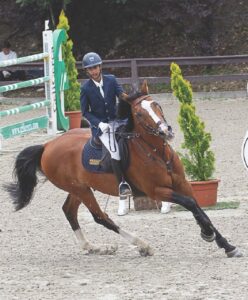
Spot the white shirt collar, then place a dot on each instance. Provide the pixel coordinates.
(98, 84)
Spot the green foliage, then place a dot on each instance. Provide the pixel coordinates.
(72, 95)
(121, 1)
(218, 206)
(50, 6)
(198, 159)
(44, 4)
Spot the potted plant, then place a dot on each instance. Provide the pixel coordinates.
(72, 94)
(198, 159)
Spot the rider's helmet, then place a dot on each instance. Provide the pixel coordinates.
(91, 59)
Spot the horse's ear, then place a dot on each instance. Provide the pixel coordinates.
(144, 88)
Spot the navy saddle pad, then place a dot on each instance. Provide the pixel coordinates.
(96, 158)
(92, 156)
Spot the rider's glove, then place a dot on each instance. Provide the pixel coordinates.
(104, 127)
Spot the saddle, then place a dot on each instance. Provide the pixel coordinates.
(96, 158)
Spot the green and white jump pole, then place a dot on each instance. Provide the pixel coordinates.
(55, 81)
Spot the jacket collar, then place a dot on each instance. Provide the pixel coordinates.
(96, 89)
(105, 87)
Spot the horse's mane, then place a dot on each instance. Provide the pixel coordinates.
(124, 110)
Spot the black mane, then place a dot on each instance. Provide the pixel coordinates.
(124, 110)
(135, 96)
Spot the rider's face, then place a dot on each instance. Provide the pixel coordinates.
(6, 51)
(94, 73)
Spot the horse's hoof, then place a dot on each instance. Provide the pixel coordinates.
(208, 238)
(107, 250)
(234, 253)
(146, 251)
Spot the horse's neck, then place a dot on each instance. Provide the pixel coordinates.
(150, 142)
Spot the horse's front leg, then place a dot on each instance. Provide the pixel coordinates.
(208, 232)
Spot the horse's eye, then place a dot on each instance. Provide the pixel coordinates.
(157, 106)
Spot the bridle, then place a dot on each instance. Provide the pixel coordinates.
(161, 160)
(146, 126)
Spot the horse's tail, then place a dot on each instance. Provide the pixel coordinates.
(26, 165)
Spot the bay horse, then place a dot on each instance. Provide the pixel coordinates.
(155, 169)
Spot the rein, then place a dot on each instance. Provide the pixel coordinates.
(166, 163)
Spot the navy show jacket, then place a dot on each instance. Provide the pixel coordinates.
(94, 107)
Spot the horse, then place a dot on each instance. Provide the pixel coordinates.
(150, 154)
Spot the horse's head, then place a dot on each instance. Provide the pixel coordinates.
(148, 114)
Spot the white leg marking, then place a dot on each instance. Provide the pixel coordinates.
(144, 248)
(86, 245)
(82, 240)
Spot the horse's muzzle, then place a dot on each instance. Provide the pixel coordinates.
(166, 132)
(171, 134)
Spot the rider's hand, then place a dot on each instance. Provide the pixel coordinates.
(6, 74)
(104, 127)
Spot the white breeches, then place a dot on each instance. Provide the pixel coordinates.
(109, 141)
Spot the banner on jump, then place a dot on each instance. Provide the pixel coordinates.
(24, 127)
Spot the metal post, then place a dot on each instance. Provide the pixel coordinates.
(134, 75)
(50, 85)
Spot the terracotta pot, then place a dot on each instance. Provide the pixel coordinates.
(75, 118)
(205, 192)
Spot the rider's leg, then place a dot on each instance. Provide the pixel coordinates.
(124, 188)
(110, 143)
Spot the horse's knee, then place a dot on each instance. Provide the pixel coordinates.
(107, 222)
(187, 202)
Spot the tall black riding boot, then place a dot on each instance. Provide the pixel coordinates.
(124, 187)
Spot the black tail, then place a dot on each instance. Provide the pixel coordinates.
(26, 165)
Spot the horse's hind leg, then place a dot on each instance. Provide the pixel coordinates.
(208, 232)
(70, 209)
(102, 218)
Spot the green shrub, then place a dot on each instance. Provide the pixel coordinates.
(72, 95)
(198, 159)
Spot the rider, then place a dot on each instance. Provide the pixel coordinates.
(98, 104)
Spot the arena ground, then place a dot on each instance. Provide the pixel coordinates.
(39, 258)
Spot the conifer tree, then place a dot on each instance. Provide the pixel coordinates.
(198, 159)
(72, 95)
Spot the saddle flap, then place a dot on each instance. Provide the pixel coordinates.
(96, 158)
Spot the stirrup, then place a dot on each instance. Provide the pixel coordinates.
(125, 189)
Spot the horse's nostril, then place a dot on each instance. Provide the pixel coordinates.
(171, 135)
